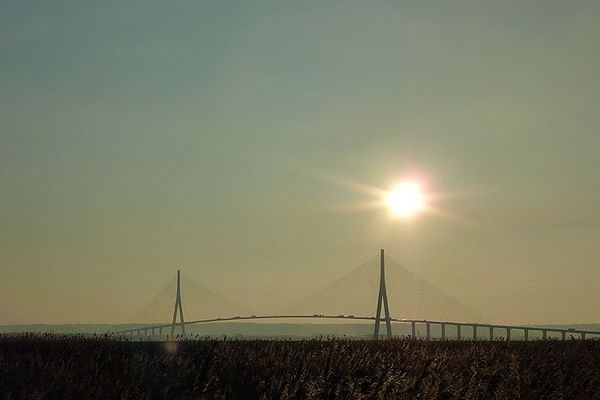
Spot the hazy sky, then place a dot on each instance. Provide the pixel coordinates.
(137, 137)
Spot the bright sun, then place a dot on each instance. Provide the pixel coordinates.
(406, 199)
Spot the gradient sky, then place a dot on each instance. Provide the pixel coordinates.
(137, 137)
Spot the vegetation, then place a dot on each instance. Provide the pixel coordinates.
(51, 367)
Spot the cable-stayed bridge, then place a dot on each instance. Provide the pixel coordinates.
(380, 290)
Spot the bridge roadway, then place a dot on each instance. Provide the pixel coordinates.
(474, 326)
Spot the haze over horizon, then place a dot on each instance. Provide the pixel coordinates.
(137, 138)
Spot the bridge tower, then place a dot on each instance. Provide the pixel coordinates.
(382, 297)
(178, 307)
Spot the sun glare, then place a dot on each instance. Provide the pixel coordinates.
(406, 199)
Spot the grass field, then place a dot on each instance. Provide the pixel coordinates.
(50, 367)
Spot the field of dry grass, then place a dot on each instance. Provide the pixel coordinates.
(50, 367)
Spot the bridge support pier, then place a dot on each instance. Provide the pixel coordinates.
(508, 334)
(582, 335)
(564, 335)
(458, 337)
(382, 297)
(526, 334)
(474, 332)
(491, 333)
(413, 330)
(544, 334)
(428, 330)
(443, 331)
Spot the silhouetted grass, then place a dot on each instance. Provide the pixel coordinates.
(63, 367)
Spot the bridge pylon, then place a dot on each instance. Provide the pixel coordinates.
(178, 307)
(382, 297)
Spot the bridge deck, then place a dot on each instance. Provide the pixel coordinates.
(368, 318)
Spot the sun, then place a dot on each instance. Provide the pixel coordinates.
(406, 199)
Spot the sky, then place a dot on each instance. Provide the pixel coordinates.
(139, 137)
